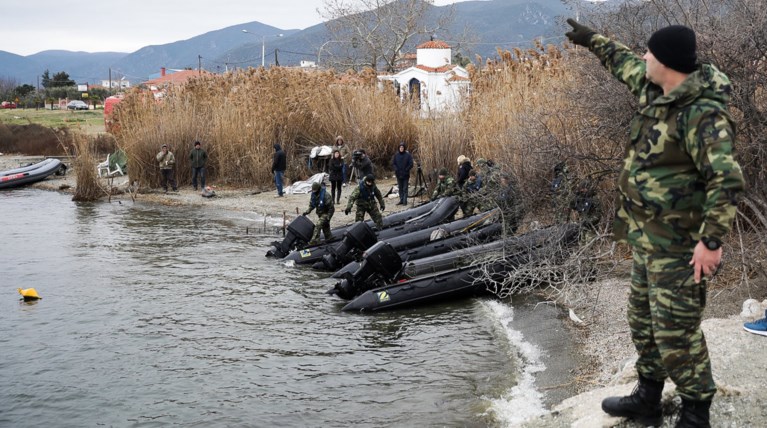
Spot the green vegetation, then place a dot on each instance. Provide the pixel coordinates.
(89, 122)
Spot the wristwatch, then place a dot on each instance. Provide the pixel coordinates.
(712, 244)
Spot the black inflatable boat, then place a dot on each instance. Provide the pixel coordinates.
(362, 235)
(383, 264)
(299, 231)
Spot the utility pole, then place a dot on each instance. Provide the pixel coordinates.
(199, 65)
(110, 80)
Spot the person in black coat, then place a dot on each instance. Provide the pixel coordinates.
(402, 162)
(362, 164)
(464, 166)
(279, 164)
(336, 171)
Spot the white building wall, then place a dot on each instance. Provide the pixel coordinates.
(433, 57)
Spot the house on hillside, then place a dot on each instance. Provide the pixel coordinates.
(433, 83)
(169, 78)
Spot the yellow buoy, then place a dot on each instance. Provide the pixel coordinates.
(29, 294)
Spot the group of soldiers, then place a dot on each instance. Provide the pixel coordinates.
(479, 188)
(482, 188)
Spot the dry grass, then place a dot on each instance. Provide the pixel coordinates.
(240, 116)
(86, 156)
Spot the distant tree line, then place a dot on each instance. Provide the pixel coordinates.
(58, 86)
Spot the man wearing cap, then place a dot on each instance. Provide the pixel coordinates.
(198, 157)
(166, 160)
(323, 202)
(445, 185)
(402, 162)
(365, 195)
(677, 196)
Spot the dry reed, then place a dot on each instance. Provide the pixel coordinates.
(85, 159)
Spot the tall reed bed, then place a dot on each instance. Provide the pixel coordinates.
(240, 116)
(527, 114)
(86, 156)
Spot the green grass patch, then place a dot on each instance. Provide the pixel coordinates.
(89, 122)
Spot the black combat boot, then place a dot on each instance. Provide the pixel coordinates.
(643, 405)
(695, 414)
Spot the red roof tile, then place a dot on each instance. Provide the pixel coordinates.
(175, 78)
(433, 44)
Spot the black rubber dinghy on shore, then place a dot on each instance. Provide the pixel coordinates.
(461, 282)
(299, 231)
(362, 235)
(29, 174)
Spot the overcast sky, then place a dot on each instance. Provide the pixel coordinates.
(31, 26)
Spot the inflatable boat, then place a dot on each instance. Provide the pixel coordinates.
(358, 277)
(353, 244)
(361, 234)
(299, 231)
(29, 174)
(384, 265)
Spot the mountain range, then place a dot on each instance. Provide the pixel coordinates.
(478, 28)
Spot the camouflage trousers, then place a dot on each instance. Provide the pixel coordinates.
(372, 209)
(323, 225)
(664, 313)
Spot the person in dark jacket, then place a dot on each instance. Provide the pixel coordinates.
(464, 166)
(346, 156)
(320, 201)
(198, 158)
(361, 162)
(402, 162)
(336, 171)
(279, 164)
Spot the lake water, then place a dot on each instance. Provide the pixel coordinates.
(156, 316)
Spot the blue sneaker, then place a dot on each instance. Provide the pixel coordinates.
(757, 327)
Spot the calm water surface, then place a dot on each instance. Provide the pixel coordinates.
(156, 316)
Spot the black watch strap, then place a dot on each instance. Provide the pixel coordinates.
(712, 244)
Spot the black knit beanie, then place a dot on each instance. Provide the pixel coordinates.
(674, 47)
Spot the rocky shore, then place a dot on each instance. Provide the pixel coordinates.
(604, 344)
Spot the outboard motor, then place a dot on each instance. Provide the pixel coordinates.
(360, 236)
(380, 265)
(299, 230)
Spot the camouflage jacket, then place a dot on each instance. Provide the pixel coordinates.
(679, 180)
(444, 188)
(166, 160)
(365, 197)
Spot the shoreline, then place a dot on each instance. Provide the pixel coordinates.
(602, 344)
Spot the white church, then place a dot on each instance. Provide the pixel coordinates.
(433, 83)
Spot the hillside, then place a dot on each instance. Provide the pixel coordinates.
(479, 27)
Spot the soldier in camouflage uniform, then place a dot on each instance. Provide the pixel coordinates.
(470, 194)
(323, 202)
(677, 199)
(587, 210)
(445, 185)
(365, 195)
(561, 187)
